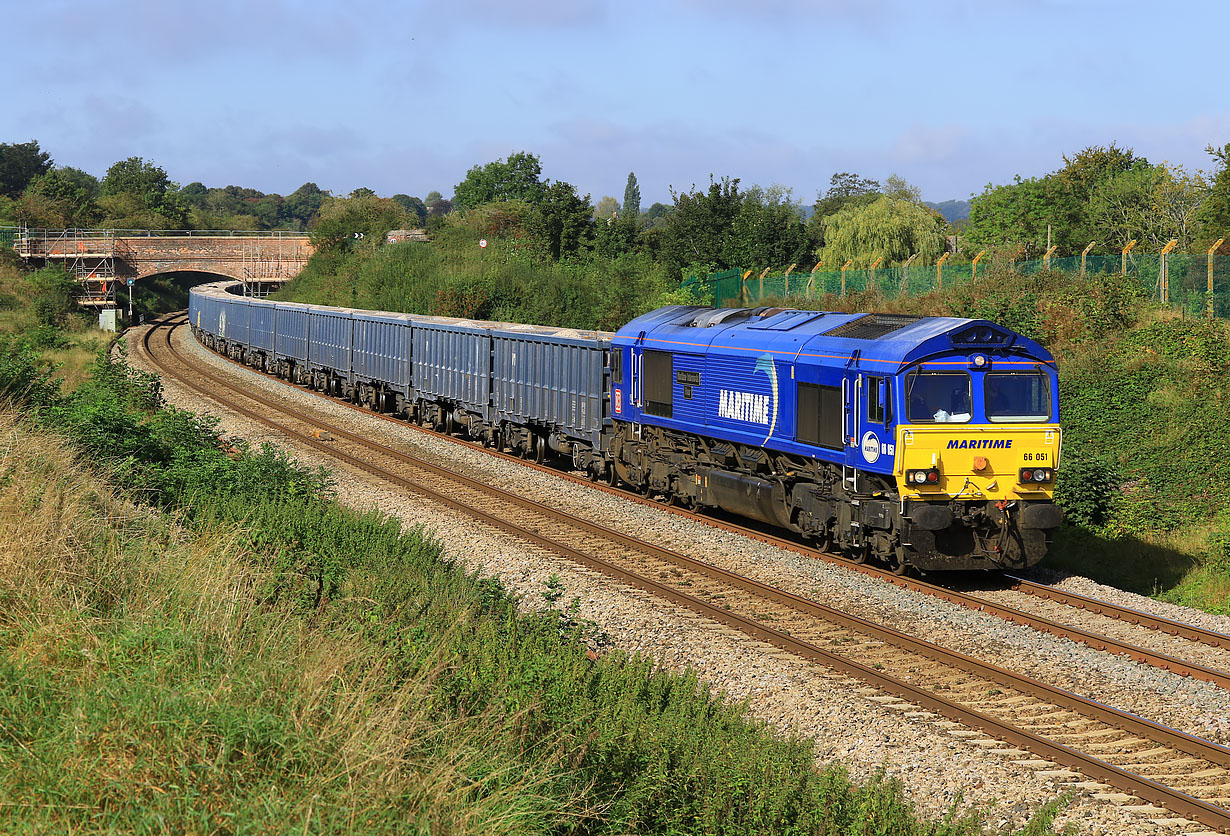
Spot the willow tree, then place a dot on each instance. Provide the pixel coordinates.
(887, 228)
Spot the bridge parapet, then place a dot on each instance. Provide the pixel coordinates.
(100, 259)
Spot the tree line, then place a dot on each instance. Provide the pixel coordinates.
(1106, 195)
(138, 194)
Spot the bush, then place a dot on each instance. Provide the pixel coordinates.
(24, 378)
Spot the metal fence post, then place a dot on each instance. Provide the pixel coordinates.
(811, 281)
(1046, 258)
(874, 265)
(1164, 275)
(1084, 253)
(763, 273)
(939, 271)
(743, 288)
(786, 290)
(1209, 300)
(1123, 256)
(977, 259)
(905, 274)
(844, 267)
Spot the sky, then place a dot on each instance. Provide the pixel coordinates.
(406, 97)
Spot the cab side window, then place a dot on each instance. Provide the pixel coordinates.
(879, 409)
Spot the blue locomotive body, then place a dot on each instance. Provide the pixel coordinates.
(843, 426)
(919, 441)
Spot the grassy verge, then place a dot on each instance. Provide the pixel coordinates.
(200, 642)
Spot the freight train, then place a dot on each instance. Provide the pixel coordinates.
(923, 442)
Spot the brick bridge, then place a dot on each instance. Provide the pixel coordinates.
(103, 259)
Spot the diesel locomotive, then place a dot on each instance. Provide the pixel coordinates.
(923, 442)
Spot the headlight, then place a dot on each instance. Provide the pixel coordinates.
(930, 476)
(1031, 475)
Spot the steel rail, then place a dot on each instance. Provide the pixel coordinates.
(1120, 613)
(1145, 788)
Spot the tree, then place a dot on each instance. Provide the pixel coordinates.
(1215, 211)
(655, 215)
(518, 178)
(364, 221)
(1014, 216)
(1152, 204)
(412, 205)
(193, 195)
(898, 188)
(563, 220)
(888, 228)
(767, 232)
(145, 187)
(68, 192)
(1085, 170)
(19, 164)
(845, 190)
(694, 235)
(632, 197)
(303, 204)
(608, 207)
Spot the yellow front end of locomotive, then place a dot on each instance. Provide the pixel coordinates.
(977, 461)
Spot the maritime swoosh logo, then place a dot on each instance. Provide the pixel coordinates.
(765, 364)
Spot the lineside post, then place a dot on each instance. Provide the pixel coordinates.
(1084, 253)
(939, 271)
(1208, 305)
(1123, 256)
(1164, 275)
(905, 274)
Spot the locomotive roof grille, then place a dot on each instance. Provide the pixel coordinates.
(871, 326)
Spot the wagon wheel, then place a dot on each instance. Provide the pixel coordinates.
(540, 449)
(612, 478)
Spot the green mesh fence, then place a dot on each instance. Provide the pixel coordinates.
(8, 236)
(1184, 284)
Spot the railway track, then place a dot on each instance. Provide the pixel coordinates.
(1184, 773)
(1190, 663)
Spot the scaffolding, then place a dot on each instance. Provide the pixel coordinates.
(86, 255)
(266, 267)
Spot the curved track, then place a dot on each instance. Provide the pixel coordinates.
(1188, 663)
(1188, 775)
